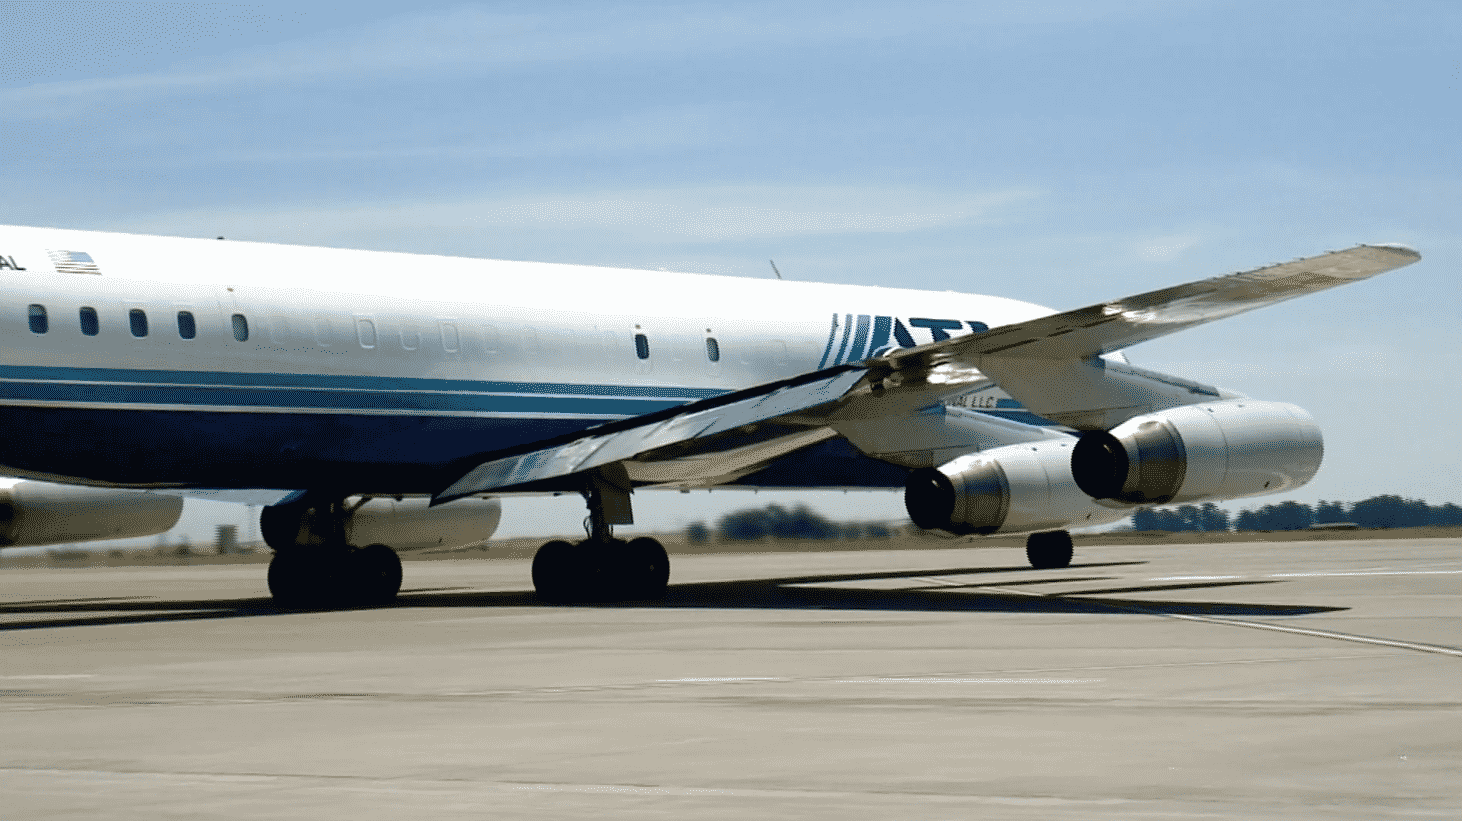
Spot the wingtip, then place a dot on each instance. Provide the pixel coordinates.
(1405, 250)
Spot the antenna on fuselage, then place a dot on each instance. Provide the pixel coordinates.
(774, 268)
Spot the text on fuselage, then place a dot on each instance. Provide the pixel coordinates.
(855, 337)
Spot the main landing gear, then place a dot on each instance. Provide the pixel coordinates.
(314, 567)
(1049, 550)
(353, 577)
(602, 568)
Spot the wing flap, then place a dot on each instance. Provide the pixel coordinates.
(622, 441)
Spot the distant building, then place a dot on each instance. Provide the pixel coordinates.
(228, 539)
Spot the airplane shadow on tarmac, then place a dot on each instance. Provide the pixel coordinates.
(926, 590)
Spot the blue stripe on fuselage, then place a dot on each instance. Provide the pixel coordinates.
(364, 394)
(395, 454)
(36, 373)
(197, 448)
(251, 430)
(342, 401)
(832, 334)
(860, 338)
(843, 345)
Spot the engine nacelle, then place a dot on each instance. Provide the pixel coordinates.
(407, 524)
(1216, 450)
(1010, 489)
(42, 513)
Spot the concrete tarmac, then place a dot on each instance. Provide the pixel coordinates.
(1250, 680)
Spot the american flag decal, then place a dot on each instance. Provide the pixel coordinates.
(73, 262)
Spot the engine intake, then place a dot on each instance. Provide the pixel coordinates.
(1217, 450)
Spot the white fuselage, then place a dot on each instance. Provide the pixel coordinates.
(332, 365)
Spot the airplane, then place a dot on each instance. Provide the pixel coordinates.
(373, 402)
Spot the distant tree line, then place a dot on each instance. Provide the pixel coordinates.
(801, 522)
(777, 522)
(1375, 512)
(1208, 517)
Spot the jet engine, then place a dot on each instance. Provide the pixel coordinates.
(403, 524)
(42, 513)
(1009, 489)
(1216, 450)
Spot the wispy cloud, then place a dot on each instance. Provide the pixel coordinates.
(471, 39)
(665, 128)
(1325, 354)
(723, 214)
(1166, 248)
(46, 39)
(709, 222)
(465, 40)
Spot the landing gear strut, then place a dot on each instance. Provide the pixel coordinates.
(1049, 550)
(602, 568)
(315, 567)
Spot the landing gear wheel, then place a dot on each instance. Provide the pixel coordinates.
(308, 578)
(377, 577)
(593, 571)
(647, 570)
(557, 572)
(299, 579)
(1049, 550)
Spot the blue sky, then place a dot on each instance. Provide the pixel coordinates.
(1058, 152)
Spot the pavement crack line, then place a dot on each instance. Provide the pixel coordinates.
(376, 784)
(1257, 625)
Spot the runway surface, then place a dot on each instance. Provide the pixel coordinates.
(1282, 680)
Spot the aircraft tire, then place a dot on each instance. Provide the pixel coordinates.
(377, 577)
(298, 580)
(557, 572)
(647, 567)
(1049, 550)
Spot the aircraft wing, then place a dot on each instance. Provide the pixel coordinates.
(1112, 326)
(731, 424)
(710, 438)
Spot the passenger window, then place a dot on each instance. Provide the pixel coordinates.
(39, 322)
(410, 339)
(138, 320)
(449, 337)
(365, 332)
(187, 327)
(642, 346)
(241, 327)
(713, 349)
(89, 323)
